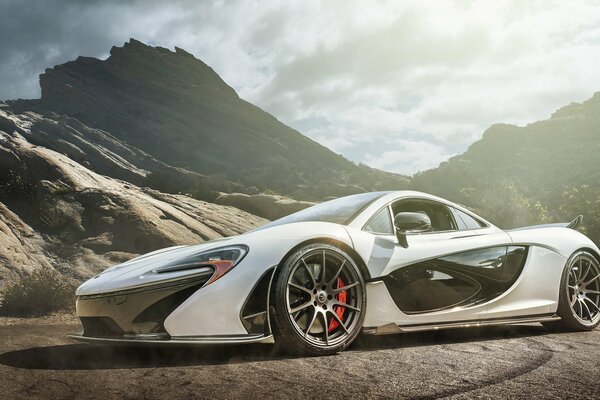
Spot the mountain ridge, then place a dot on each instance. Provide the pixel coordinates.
(177, 109)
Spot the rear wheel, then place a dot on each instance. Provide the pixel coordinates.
(579, 298)
(319, 301)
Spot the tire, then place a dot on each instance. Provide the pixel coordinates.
(311, 315)
(579, 296)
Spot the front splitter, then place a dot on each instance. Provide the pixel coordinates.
(147, 340)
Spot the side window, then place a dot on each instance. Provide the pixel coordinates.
(380, 223)
(467, 222)
(439, 214)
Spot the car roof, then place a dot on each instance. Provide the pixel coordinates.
(363, 217)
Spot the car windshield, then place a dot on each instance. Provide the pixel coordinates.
(339, 211)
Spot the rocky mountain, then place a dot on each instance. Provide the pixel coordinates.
(176, 109)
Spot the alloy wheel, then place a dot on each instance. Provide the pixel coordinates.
(583, 289)
(324, 297)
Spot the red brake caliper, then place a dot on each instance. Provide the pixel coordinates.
(339, 310)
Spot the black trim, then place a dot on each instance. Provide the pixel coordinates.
(103, 327)
(456, 280)
(254, 313)
(160, 310)
(184, 281)
(474, 321)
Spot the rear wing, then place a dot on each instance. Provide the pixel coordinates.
(572, 225)
(576, 222)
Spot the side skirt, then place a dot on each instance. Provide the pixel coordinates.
(393, 328)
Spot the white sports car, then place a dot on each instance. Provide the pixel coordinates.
(375, 263)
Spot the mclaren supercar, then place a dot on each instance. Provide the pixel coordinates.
(376, 263)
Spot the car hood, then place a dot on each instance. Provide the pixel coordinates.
(137, 272)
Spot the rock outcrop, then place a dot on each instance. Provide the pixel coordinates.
(264, 205)
(58, 213)
(21, 247)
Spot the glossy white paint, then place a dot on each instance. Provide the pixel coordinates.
(215, 309)
(536, 290)
(563, 241)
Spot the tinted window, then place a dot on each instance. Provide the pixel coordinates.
(501, 264)
(487, 262)
(380, 223)
(424, 288)
(467, 222)
(439, 214)
(339, 211)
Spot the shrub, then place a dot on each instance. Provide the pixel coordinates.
(62, 189)
(52, 217)
(43, 292)
(13, 183)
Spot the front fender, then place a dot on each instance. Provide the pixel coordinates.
(215, 309)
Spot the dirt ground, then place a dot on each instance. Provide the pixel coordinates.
(37, 361)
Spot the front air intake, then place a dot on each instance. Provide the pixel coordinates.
(103, 327)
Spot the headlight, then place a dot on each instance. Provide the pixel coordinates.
(222, 259)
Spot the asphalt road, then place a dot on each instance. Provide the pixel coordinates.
(37, 361)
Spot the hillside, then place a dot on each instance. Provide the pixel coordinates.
(55, 212)
(544, 171)
(176, 109)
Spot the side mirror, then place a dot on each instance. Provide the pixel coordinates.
(410, 222)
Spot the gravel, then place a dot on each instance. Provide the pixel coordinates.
(38, 361)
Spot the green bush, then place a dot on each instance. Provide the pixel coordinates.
(43, 292)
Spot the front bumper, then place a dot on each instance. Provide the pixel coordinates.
(138, 311)
(137, 315)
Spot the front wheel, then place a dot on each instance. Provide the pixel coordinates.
(579, 298)
(319, 301)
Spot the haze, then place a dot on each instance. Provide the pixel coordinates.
(400, 86)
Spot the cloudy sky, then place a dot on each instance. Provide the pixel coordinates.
(398, 85)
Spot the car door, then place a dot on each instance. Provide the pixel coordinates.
(443, 275)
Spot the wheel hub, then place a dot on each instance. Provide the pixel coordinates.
(322, 297)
